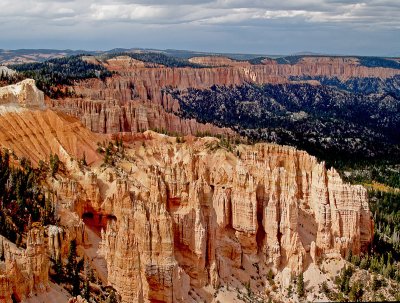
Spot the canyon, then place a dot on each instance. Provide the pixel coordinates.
(171, 219)
(135, 98)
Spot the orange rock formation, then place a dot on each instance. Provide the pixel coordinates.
(24, 272)
(184, 217)
(179, 219)
(133, 100)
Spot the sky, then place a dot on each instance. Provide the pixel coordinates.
(282, 27)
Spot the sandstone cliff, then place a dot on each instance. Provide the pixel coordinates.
(217, 61)
(134, 99)
(23, 272)
(178, 220)
(23, 94)
(184, 216)
(112, 116)
(37, 134)
(175, 220)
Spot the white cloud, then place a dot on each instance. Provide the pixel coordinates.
(219, 11)
(126, 12)
(83, 19)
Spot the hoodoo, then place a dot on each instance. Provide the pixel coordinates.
(140, 216)
(183, 218)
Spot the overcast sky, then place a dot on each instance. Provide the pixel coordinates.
(369, 27)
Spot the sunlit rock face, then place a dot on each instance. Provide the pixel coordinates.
(189, 217)
(134, 99)
(24, 272)
(174, 218)
(24, 94)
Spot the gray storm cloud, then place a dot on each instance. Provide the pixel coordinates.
(223, 25)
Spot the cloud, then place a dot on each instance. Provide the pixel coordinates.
(81, 20)
(175, 11)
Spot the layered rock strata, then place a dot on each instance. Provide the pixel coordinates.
(178, 219)
(24, 272)
(183, 217)
(134, 99)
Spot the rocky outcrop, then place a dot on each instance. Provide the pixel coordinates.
(30, 130)
(178, 219)
(112, 117)
(134, 99)
(24, 272)
(5, 71)
(78, 299)
(24, 94)
(217, 61)
(342, 68)
(184, 217)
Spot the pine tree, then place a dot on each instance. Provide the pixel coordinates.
(71, 265)
(2, 257)
(73, 268)
(54, 164)
(86, 290)
(356, 292)
(83, 162)
(300, 285)
(270, 277)
(58, 270)
(376, 283)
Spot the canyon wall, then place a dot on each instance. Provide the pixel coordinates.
(182, 217)
(112, 116)
(177, 220)
(24, 272)
(134, 99)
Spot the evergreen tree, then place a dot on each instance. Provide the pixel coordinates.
(73, 269)
(83, 162)
(54, 164)
(58, 271)
(376, 283)
(356, 292)
(344, 279)
(300, 285)
(86, 290)
(270, 277)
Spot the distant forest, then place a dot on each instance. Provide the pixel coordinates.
(335, 125)
(61, 71)
(156, 58)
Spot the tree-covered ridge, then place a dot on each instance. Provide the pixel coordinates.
(156, 58)
(8, 79)
(385, 207)
(363, 60)
(22, 198)
(332, 124)
(359, 85)
(61, 71)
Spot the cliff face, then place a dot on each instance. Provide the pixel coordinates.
(112, 116)
(133, 99)
(176, 220)
(24, 94)
(24, 272)
(198, 218)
